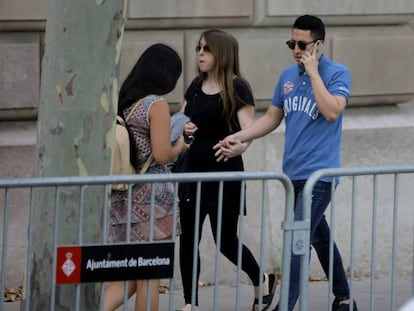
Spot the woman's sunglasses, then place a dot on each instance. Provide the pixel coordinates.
(301, 44)
(204, 47)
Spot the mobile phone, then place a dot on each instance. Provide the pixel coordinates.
(317, 48)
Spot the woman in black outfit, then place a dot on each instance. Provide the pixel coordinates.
(219, 101)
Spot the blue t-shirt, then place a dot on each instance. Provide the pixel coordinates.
(311, 142)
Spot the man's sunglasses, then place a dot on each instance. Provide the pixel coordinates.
(204, 47)
(301, 44)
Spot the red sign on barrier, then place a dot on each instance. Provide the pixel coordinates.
(68, 267)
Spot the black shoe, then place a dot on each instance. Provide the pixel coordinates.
(267, 299)
(336, 306)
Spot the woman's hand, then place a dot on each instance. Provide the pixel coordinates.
(190, 128)
(228, 148)
(182, 145)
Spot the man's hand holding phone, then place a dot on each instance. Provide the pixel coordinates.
(310, 58)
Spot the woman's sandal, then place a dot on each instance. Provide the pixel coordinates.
(270, 282)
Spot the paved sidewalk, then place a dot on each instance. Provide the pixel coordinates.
(318, 297)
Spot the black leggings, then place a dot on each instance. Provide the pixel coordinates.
(229, 245)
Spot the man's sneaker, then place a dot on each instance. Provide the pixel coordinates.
(269, 288)
(188, 308)
(337, 306)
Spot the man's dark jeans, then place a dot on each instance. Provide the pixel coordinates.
(320, 235)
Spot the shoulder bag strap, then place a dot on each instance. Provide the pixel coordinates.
(132, 110)
(147, 163)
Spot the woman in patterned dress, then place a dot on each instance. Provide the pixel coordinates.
(155, 74)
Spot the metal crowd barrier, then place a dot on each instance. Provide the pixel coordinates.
(295, 233)
(387, 193)
(57, 186)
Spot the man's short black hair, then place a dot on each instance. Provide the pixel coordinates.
(312, 23)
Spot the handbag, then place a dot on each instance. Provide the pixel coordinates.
(182, 165)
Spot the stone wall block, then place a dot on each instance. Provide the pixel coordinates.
(29, 10)
(20, 71)
(335, 12)
(381, 65)
(189, 13)
(17, 161)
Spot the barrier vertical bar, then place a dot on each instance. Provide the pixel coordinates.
(287, 244)
(128, 240)
(261, 263)
(29, 250)
(412, 269)
(151, 239)
(4, 245)
(81, 208)
(394, 241)
(331, 241)
(195, 245)
(107, 207)
(174, 238)
(240, 243)
(304, 260)
(374, 241)
(353, 227)
(80, 237)
(218, 246)
(54, 244)
(104, 236)
(129, 211)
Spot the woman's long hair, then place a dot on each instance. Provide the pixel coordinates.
(155, 73)
(225, 50)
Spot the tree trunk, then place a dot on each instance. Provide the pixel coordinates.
(79, 91)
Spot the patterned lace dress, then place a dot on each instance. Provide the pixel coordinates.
(141, 210)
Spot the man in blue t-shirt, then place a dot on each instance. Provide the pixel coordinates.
(311, 96)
